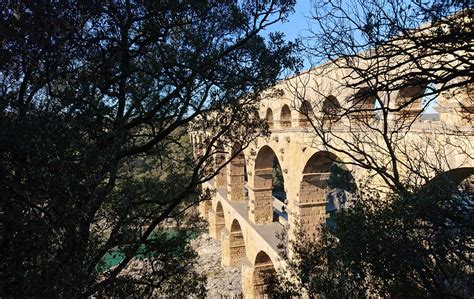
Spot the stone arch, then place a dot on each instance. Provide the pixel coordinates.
(409, 99)
(452, 177)
(260, 188)
(306, 111)
(263, 268)
(331, 109)
(216, 221)
(456, 105)
(285, 117)
(269, 118)
(469, 181)
(233, 246)
(311, 199)
(236, 177)
(363, 104)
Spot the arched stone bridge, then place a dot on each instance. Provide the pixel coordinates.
(243, 212)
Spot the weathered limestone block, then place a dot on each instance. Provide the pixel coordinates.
(263, 178)
(285, 123)
(236, 180)
(236, 249)
(233, 248)
(216, 224)
(220, 180)
(310, 205)
(204, 207)
(247, 280)
(260, 195)
(260, 205)
(304, 123)
(225, 248)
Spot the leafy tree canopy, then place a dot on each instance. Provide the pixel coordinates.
(96, 100)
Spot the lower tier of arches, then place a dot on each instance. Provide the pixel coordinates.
(250, 247)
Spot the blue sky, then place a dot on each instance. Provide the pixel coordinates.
(298, 25)
(297, 22)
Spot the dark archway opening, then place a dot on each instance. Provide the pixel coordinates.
(331, 110)
(236, 244)
(285, 117)
(278, 191)
(269, 118)
(363, 104)
(263, 271)
(278, 182)
(267, 171)
(306, 113)
(216, 221)
(409, 102)
(325, 188)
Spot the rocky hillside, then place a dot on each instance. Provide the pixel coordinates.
(222, 282)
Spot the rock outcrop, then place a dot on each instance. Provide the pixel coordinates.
(222, 282)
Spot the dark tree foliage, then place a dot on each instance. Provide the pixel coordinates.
(414, 246)
(277, 177)
(341, 178)
(95, 102)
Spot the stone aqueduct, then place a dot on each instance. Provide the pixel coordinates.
(245, 216)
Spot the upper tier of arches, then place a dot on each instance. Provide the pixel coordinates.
(363, 104)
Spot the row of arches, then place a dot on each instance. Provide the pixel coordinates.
(324, 186)
(360, 106)
(286, 118)
(263, 188)
(255, 270)
(314, 201)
